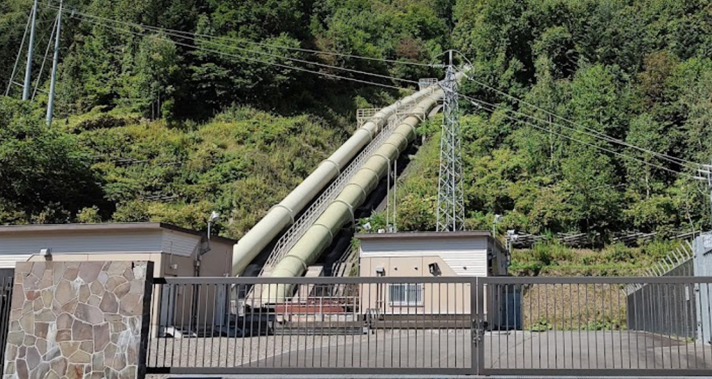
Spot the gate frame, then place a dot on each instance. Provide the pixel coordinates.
(478, 317)
(6, 290)
(593, 372)
(475, 289)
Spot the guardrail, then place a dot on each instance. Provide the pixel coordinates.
(434, 325)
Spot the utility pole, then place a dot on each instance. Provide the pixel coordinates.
(451, 202)
(28, 68)
(55, 62)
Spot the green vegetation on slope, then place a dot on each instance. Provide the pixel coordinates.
(553, 258)
(113, 64)
(639, 71)
(116, 168)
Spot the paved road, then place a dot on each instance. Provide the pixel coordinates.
(507, 350)
(436, 349)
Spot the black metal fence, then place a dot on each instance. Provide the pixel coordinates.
(428, 325)
(6, 284)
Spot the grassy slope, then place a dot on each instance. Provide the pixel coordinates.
(240, 163)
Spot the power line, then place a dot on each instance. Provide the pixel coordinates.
(19, 54)
(304, 50)
(491, 108)
(554, 124)
(44, 60)
(606, 137)
(172, 33)
(257, 60)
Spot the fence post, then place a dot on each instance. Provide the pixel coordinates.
(478, 324)
(703, 260)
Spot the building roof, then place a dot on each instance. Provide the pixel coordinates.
(105, 227)
(430, 235)
(425, 235)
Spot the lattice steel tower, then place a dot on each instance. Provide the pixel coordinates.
(451, 199)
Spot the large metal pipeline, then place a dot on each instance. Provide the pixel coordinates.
(284, 213)
(341, 211)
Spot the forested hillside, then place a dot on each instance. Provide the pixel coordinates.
(205, 110)
(639, 71)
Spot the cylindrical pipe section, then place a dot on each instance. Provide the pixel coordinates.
(318, 237)
(278, 218)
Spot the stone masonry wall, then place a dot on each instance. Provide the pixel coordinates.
(79, 320)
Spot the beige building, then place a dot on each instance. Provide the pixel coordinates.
(174, 251)
(426, 254)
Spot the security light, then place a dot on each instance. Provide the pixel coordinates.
(434, 269)
(214, 216)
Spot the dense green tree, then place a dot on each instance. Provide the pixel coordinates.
(239, 123)
(44, 176)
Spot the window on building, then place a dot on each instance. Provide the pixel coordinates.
(406, 294)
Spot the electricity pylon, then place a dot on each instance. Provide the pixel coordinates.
(451, 199)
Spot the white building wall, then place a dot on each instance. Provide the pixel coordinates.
(465, 256)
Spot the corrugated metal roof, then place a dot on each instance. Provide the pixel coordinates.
(113, 226)
(428, 235)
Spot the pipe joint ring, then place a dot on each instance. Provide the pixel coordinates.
(300, 260)
(350, 207)
(290, 211)
(336, 165)
(363, 191)
(370, 135)
(411, 128)
(405, 137)
(331, 235)
(375, 173)
(398, 151)
(388, 160)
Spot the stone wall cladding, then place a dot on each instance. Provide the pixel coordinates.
(79, 320)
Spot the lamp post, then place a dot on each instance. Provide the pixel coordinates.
(213, 217)
(494, 225)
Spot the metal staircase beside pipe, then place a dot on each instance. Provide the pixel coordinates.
(284, 214)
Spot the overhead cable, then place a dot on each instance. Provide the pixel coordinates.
(19, 53)
(256, 60)
(697, 165)
(44, 60)
(244, 41)
(606, 137)
(173, 33)
(492, 108)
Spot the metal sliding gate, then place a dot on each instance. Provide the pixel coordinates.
(430, 325)
(6, 286)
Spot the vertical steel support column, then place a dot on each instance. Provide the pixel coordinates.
(55, 62)
(28, 68)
